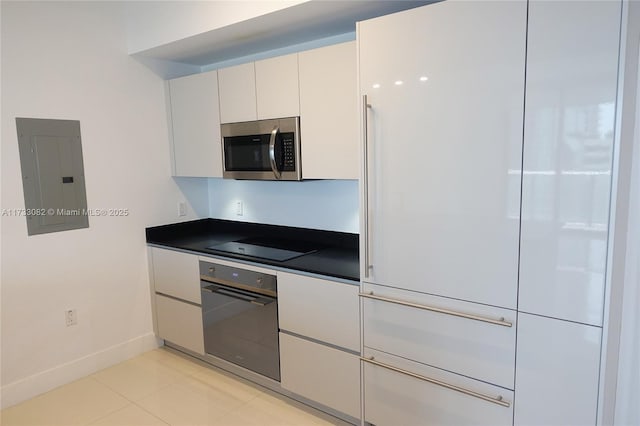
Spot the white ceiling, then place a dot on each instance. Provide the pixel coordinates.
(298, 24)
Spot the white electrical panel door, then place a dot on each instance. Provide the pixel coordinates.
(445, 85)
(572, 69)
(52, 175)
(195, 117)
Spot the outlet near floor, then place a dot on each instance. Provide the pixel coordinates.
(71, 317)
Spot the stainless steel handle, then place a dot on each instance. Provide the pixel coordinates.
(260, 301)
(500, 321)
(365, 182)
(496, 400)
(272, 152)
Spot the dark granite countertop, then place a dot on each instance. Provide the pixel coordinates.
(335, 254)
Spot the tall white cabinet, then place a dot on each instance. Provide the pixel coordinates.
(572, 69)
(441, 200)
(444, 147)
(488, 147)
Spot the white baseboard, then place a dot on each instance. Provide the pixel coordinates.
(34, 385)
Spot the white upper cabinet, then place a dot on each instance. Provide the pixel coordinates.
(237, 93)
(329, 112)
(572, 60)
(446, 87)
(260, 90)
(277, 90)
(195, 120)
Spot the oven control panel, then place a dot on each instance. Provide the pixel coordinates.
(239, 278)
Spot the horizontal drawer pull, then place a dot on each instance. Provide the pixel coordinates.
(497, 400)
(500, 321)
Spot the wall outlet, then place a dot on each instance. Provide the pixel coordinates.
(71, 317)
(182, 208)
(239, 208)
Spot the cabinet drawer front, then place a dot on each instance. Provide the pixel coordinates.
(176, 274)
(180, 323)
(322, 374)
(440, 337)
(322, 310)
(394, 398)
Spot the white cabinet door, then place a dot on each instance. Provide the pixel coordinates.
(329, 112)
(180, 323)
(557, 372)
(446, 87)
(465, 338)
(176, 274)
(572, 60)
(320, 373)
(276, 86)
(322, 310)
(195, 120)
(392, 398)
(237, 93)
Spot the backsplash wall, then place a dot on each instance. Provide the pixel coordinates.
(319, 204)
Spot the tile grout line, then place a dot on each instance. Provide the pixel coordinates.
(149, 412)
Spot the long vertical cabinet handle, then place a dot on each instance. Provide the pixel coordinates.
(365, 148)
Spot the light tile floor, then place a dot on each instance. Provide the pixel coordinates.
(161, 387)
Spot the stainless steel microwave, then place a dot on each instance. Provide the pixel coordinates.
(262, 150)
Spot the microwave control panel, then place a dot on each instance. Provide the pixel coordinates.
(288, 152)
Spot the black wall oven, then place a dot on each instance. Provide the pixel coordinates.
(240, 317)
(262, 150)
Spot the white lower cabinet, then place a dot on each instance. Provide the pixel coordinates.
(320, 335)
(180, 323)
(321, 373)
(320, 309)
(176, 274)
(429, 396)
(557, 372)
(466, 338)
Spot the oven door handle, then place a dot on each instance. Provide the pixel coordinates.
(260, 301)
(272, 152)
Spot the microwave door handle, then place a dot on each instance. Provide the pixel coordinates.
(272, 152)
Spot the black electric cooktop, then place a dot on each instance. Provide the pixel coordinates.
(270, 249)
